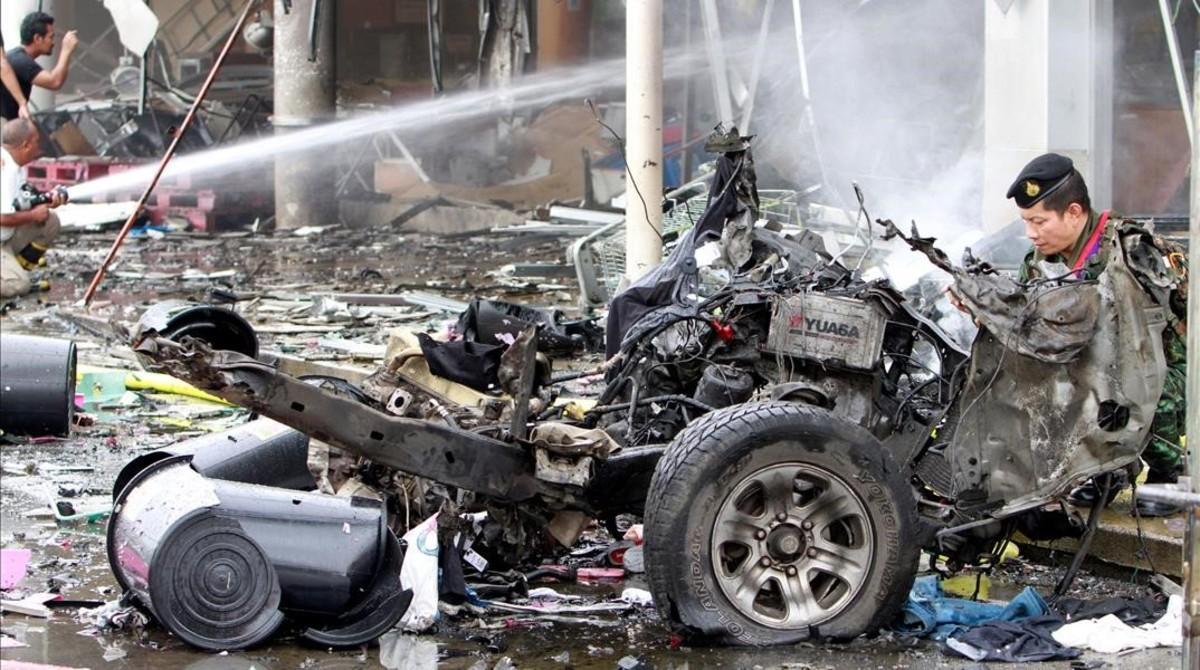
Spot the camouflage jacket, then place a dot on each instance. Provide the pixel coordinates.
(1175, 337)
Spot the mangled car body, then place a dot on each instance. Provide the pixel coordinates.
(793, 434)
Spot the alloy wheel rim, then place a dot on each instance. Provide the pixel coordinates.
(792, 545)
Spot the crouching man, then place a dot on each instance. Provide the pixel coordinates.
(24, 235)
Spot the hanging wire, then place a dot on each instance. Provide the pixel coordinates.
(625, 160)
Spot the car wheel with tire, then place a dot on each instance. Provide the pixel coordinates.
(770, 523)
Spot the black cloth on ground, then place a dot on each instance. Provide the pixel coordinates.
(1025, 641)
(452, 586)
(1133, 611)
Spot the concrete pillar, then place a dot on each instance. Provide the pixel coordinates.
(1047, 87)
(643, 135)
(305, 94)
(11, 13)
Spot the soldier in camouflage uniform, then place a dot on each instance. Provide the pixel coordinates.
(1066, 231)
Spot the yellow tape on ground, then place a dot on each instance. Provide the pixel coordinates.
(152, 381)
(139, 381)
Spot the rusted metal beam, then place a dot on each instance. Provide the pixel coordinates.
(423, 448)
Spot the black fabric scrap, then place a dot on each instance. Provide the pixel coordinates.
(468, 363)
(1025, 641)
(452, 587)
(495, 321)
(661, 287)
(1132, 611)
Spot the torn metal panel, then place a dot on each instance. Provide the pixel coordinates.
(518, 368)
(1063, 381)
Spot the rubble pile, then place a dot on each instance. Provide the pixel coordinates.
(300, 447)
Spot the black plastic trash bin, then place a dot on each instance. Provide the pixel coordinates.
(37, 385)
(223, 564)
(257, 452)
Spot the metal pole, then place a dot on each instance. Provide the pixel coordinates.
(1192, 538)
(756, 72)
(798, 25)
(162, 164)
(809, 116)
(1191, 558)
(643, 131)
(143, 82)
(686, 158)
(716, 60)
(1177, 68)
(144, 78)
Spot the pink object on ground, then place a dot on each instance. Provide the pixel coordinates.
(22, 665)
(600, 573)
(13, 563)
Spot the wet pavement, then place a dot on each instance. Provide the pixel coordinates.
(70, 558)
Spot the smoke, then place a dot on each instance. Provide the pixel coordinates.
(897, 101)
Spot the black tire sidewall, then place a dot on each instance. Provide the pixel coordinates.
(712, 456)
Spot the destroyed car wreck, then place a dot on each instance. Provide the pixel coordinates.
(793, 434)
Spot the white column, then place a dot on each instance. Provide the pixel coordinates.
(643, 135)
(11, 13)
(1047, 87)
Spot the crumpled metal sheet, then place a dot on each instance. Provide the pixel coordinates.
(1051, 322)
(1048, 363)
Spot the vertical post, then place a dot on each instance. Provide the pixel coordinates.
(760, 52)
(686, 157)
(1177, 68)
(144, 77)
(1191, 558)
(643, 132)
(304, 96)
(716, 60)
(1103, 61)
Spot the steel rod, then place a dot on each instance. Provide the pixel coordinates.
(162, 164)
(1167, 493)
(1191, 550)
(1177, 67)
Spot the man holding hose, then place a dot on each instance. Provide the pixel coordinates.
(25, 234)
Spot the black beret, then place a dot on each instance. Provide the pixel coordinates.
(1041, 177)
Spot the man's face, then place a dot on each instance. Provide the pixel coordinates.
(1052, 232)
(44, 44)
(27, 151)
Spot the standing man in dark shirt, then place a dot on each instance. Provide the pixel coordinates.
(37, 39)
(9, 79)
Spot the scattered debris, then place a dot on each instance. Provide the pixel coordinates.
(13, 563)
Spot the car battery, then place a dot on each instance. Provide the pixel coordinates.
(842, 332)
